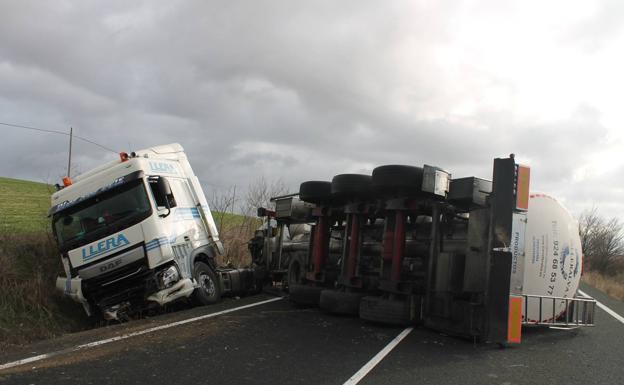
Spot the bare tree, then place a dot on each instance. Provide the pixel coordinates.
(222, 204)
(602, 241)
(260, 192)
(589, 224)
(608, 247)
(236, 230)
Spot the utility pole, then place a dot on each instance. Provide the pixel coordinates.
(71, 134)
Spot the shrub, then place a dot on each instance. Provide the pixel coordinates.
(611, 285)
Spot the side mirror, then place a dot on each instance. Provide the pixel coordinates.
(163, 188)
(164, 195)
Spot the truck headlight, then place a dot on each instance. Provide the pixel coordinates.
(168, 276)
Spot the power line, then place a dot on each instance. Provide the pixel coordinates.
(59, 133)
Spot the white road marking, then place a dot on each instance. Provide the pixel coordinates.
(133, 334)
(605, 308)
(360, 374)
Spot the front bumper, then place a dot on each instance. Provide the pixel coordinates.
(72, 287)
(182, 288)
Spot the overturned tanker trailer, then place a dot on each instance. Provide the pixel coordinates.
(409, 245)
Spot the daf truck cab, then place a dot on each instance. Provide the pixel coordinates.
(136, 231)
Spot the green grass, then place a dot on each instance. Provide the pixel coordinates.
(229, 219)
(24, 206)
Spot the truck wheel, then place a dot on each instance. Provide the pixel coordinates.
(340, 302)
(305, 295)
(385, 311)
(315, 191)
(209, 289)
(349, 186)
(399, 179)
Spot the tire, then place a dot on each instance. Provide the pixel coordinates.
(315, 191)
(209, 289)
(398, 179)
(385, 311)
(350, 186)
(340, 302)
(305, 295)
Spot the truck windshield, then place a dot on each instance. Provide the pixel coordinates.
(101, 215)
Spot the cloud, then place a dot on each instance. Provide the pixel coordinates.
(305, 91)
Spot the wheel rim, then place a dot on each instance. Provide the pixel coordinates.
(207, 284)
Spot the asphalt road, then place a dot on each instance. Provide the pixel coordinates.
(278, 343)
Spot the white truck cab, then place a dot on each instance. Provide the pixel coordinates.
(134, 231)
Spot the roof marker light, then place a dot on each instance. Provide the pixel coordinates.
(67, 181)
(123, 156)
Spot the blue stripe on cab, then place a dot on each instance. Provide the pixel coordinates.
(185, 213)
(156, 242)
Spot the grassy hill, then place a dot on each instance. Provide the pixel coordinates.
(24, 206)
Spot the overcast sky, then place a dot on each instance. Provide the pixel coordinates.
(306, 90)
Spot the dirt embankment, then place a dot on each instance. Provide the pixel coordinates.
(30, 307)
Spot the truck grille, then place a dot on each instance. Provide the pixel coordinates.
(128, 283)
